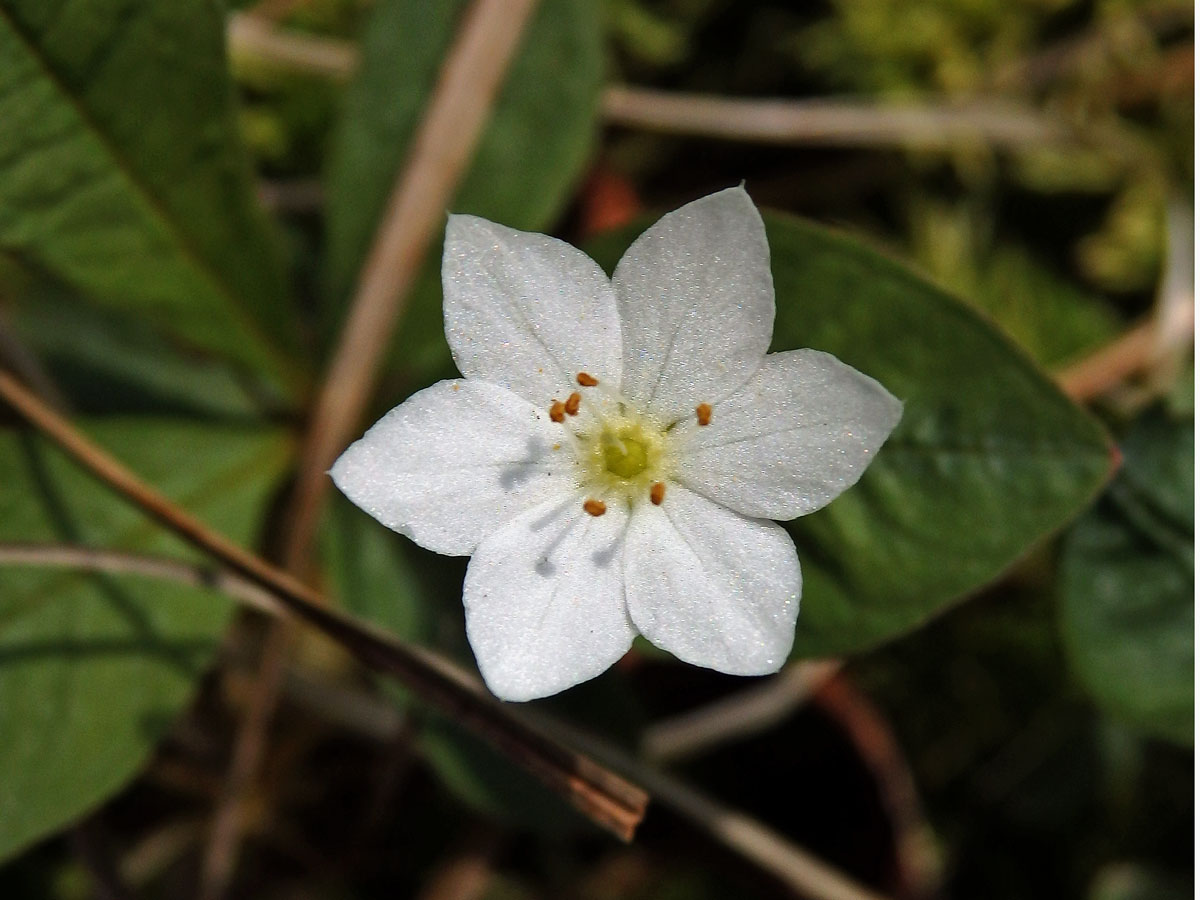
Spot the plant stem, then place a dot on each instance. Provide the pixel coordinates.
(609, 800)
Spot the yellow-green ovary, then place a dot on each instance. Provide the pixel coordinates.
(624, 457)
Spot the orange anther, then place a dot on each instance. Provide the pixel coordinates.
(557, 411)
(587, 380)
(658, 490)
(572, 404)
(594, 507)
(704, 413)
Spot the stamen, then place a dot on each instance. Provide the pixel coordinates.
(594, 507)
(658, 490)
(557, 411)
(704, 413)
(572, 404)
(587, 380)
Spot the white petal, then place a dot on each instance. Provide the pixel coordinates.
(711, 586)
(545, 600)
(454, 462)
(526, 311)
(800, 432)
(697, 304)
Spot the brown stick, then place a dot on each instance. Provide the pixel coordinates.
(609, 800)
(748, 711)
(823, 121)
(770, 851)
(1114, 363)
(443, 146)
(459, 108)
(119, 562)
(254, 33)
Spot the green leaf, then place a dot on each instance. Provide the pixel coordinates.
(988, 459)
(1127, 585)
(528, 158)
(369, 572)
(122, 174)
(108, 363)
(490, 783)
(94, 668)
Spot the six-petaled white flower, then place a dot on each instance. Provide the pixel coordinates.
(616, 449)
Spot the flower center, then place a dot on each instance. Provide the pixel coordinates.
(621, 456)
(625, 455)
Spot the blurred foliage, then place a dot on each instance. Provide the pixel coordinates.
(1128, 583)
(95, 668)
(140, 280)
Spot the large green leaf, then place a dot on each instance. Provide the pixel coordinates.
(1128, 580)
(112, 364)
(527, 160)
(94, 668)
(988, 459)
(121, 171)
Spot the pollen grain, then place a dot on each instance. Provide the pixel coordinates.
(704, 413)
(557, 411)
(586, 380)
(594, 507)
(658, 490)
(572, 404)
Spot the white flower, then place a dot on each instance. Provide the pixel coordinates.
(616, 449)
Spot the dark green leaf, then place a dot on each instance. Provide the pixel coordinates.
(489, 782)
(121, 171)
(368, 569)
(528, 158)
(108, 363)
(988, 459)
(94, 668)
(1128, 585)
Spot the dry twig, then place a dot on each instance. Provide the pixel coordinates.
(744, 835)
(606, 798)
(749, 711)
(1157, 345)
(255, 34)
(443, 146)
(445, 141)
(821, 121)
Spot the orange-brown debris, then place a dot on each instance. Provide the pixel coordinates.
(587, 380)
(594, 507)
(572, 404)
(658, 490)
(557, 411)
(704, 413)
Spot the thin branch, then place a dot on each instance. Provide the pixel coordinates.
(767, 849)
(817, 121)
(254, 34)
(458, 110)
(611, 801)
(118, 562)
(749, 711)
(1137, 350)
(822, 121)
(249, 749)
(876, 746)
(1175, 304)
